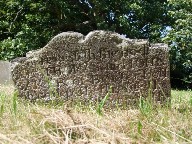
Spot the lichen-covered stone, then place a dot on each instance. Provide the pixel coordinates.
(73, 66)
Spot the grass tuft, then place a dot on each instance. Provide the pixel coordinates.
(103, 101)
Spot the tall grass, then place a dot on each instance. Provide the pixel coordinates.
(103, 101)
(25, 122)
(15, 102)
(2, 102)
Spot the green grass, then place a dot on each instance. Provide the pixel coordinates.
(103, 101)
(25, 122)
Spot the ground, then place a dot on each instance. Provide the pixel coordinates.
(24, 122)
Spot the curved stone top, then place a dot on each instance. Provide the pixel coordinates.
(96, 36)
(74, 66)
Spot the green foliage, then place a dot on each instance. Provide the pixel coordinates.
(29, 25)
(23, 27)
(180, 40)
(145, 106)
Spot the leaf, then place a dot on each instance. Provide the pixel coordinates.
(139, 127)
(101, 104)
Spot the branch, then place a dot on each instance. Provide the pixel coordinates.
(15, 19)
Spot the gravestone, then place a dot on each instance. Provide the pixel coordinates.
(72, 66)
(5, 72)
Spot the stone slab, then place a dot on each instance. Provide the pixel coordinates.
(5, 72)
(73, 66)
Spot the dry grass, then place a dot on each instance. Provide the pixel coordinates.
(40, 123)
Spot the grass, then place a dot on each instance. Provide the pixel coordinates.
(39, 123)
(103, 101)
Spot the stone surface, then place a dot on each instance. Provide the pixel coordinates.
(5, 72)
(73, 66)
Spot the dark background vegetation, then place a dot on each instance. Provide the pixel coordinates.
(29, 24)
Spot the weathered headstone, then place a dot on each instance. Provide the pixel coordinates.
(73, 66)
(5, 72)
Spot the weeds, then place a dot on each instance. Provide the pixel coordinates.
(2, 97)
(190, 100)
(139, 127)
(145, 106)
(39, 123)
(15, 102)
(103, 101)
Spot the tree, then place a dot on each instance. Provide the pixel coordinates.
(27, 25)
(179, 38)
(24, 26)
(134, 18)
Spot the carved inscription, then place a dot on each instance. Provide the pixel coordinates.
(72, 66)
